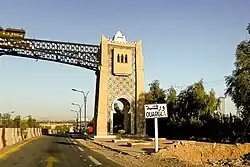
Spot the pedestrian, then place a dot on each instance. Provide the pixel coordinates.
(91, 130)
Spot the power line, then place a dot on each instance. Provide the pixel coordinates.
(209, 83)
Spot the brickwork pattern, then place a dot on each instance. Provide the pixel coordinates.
(120, 85)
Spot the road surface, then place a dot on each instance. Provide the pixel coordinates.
(54, 151)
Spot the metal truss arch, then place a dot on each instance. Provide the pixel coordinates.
(81, 55)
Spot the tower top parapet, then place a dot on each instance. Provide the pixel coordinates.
(120, 38)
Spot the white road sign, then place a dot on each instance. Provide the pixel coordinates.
(156, 111)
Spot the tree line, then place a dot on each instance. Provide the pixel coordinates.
(195, 113)
(17, 122)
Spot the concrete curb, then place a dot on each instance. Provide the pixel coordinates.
(110, 148)
(88, 138)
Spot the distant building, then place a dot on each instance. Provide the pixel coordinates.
(222, 108)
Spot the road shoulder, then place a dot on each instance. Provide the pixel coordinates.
(13, 148)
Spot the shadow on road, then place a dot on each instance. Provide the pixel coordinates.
(64, 143)
(74, 136)
(57, 135)
(78, 137)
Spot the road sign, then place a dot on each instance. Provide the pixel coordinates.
(156, 111)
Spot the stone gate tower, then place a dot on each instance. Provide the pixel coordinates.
(120, 77)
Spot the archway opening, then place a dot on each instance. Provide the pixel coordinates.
(121, 116)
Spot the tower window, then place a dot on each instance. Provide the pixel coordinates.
(118, 58)
(126, 58)
(122, 59)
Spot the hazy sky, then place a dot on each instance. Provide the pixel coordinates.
(183, 41)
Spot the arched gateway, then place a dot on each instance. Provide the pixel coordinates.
(118, 65)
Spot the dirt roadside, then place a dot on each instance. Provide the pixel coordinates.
(139, 161)
(182, 153)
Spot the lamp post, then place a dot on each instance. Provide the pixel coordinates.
(77, 114)
(80, 111)
(85, 105)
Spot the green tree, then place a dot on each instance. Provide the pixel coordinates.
(192, 103)
(172, 103)
(24, 124)
(17, 121)
(5, 120)
(193, 106)
(238, 83)
(31, 122)
(248, 28)
(155, 94)
(212, 103)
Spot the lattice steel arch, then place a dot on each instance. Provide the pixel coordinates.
(81, 55)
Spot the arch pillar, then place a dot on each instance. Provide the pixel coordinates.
(126, 113)
(117, 78)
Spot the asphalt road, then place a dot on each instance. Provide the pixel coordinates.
(51, 151)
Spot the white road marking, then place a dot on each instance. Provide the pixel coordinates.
(94, 160)
(80, 148)
(71, 144)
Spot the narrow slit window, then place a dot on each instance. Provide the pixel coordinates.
(122, 58)
(126, 58)
(118, 58)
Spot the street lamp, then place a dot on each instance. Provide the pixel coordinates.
(85, 104)
(77, 114)
(80, 111)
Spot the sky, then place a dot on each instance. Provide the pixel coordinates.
(183, 41)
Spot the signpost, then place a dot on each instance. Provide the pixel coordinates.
(156, 111)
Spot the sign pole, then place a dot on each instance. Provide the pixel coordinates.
(156, 111)
(156, 135)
